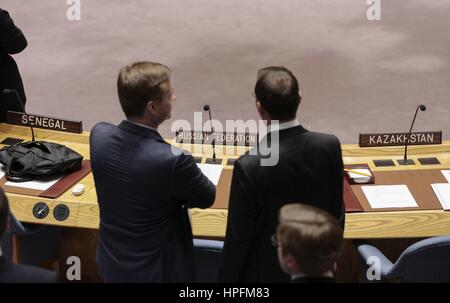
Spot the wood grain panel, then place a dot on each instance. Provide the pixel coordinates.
(212, 222)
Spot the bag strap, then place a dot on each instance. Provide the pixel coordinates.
(13, 178)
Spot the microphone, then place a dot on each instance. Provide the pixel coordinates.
(10, 91)
(207, 108)
(405, 161)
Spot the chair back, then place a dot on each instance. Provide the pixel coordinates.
(207, 256)
(425, 261)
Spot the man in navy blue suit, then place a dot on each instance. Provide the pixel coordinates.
(145, 186)
(12, 273)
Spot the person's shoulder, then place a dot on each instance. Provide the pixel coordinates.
(4, 19)
(321, 139)
(102, 128)
(249, 159)
(100, 134)
(10, 273)
(4, 13)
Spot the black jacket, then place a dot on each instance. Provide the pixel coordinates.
(143, 188)
(310, 170)
(11, 273)
(314, 280)
(12, 41)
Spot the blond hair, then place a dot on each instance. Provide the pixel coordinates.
(311, 235)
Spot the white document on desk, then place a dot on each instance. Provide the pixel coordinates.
(442, 191)
(43, 183)
(2, 170)
(212, 171)
(446, 174)
(389, 196)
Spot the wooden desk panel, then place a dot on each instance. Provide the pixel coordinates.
(212, 222)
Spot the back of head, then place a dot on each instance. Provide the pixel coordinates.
(312, 236)
(278, 92)
(4, 211)
(140, 82)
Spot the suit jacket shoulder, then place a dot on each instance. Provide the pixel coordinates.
(312, 141)
(11, 273)
(12, 40)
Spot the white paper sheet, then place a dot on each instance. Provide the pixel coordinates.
(442, 191)
(2, 171)
(212, 171)
(42, 184)
(446, 174)
(389, 196)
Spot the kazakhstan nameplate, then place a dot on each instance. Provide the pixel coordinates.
(400, 139)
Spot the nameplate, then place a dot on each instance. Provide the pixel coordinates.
(400, 139)
(44, 122)
(221, 138)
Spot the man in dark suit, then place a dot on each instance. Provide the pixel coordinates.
(145, 186)
(309, 168)
(12, 41)
(309, 242)
(11, 273)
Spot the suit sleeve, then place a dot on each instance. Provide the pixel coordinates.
(338, 181)
(191, 185)
(241, 225)
(12, 40)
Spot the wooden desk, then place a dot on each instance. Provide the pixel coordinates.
(84, 211)
(80, 230)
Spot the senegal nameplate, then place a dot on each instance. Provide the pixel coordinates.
(400, 139)
(44, 122)
(221, 138)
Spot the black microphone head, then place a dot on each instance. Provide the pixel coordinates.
(206, 107)
(422, 107)
(7, 91)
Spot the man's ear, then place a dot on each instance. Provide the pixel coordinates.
(151, 105)
(262, 112)
(290, 262)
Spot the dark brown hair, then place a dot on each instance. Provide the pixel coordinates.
(277, 90)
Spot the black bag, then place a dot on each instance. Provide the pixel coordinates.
(28, 160)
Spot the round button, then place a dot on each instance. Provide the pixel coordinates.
(40, 210)
(61, 212)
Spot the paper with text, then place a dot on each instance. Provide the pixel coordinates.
(389, 196)
(442, 191)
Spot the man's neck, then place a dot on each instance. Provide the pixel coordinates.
(283, 124)
(144, 122)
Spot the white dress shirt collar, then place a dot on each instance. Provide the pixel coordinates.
(284, 125)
